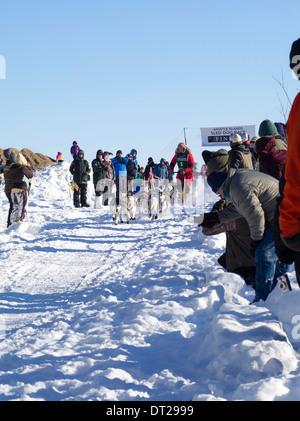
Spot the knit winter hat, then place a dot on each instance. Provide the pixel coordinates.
(206, 155)
(119, 152)
(267, 128)
(216, 180)
(295, 57)
(235, 138)
(20, 159)
(281, 129)
(12, 157)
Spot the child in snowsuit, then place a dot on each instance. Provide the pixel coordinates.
(74, 149)
(58, 157)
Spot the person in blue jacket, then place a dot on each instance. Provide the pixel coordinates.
(133, 152)
(119, 163)
(161, 170)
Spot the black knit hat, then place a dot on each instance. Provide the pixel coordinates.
(295, 57)
(216, 180)
(206, 155)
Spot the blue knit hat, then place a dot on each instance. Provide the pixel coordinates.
(216, 180)
(267, 128)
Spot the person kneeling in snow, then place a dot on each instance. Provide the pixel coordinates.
(253, 196)
(21, 173)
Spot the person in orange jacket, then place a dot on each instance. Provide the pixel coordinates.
(185, 162)
(289, 207)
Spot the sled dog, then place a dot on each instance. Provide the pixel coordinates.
(125, 210)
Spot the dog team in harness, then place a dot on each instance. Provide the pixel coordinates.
(151, 187)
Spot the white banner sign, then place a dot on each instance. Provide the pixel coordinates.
(214, 136)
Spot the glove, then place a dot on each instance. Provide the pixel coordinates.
(208, 220)
(182, 172)
(253, 246)
(219, 205)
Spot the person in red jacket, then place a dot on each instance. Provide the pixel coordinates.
(185, 162)
(289, 207)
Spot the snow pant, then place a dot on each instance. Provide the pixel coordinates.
(293, 252)
(183, 185)
(268, 267)
(121, 187)
(238, 257)
(80, 195)
(8, 195)
(19, 209)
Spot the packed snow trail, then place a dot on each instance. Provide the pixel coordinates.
(94, 311)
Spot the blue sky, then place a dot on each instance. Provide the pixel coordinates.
(122, 74)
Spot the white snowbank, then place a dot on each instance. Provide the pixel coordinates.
(94, 311)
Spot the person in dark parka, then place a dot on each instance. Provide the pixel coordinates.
(239, 155)
(80, 170)
(131, 172)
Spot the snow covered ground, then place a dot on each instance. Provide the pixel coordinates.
(140, 312)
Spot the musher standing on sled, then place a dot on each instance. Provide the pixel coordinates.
(185, 161)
